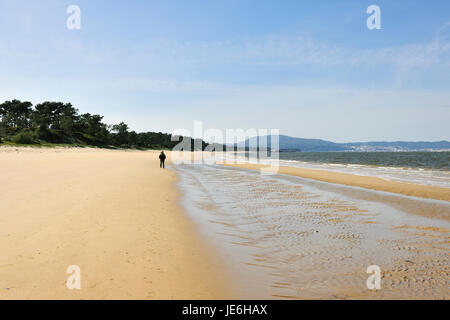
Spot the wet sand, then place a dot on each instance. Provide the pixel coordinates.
(115, 214)
(287, 237)
(374, 183)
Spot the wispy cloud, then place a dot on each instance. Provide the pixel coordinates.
(298, 50)
(269, 50)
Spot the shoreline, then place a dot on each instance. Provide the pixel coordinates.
(289, 238)
(113, 213)
(366, 182)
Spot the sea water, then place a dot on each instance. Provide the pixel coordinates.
(427, 168)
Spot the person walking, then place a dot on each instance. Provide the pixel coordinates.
(162, 159)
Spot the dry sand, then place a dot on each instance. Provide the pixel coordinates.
(409, 189)
(115, 214)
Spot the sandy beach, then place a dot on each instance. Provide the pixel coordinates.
(115, 214)
(211, 231)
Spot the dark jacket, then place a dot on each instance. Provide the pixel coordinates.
(162, 157)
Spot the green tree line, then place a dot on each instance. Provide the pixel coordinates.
(58, 122)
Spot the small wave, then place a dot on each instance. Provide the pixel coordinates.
(424, 176)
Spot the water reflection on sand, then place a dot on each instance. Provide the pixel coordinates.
(288, 237)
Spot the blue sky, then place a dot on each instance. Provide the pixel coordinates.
(309, 68)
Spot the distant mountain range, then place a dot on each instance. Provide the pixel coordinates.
(287, 143)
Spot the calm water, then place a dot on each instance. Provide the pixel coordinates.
(427, 168)
(423, 160)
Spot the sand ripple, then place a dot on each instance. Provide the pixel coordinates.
(292, 240)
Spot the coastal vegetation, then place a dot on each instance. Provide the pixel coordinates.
(58, 123)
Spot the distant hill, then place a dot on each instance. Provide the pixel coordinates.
(287, 143)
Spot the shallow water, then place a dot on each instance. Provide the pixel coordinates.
(288, 237)
(428, 168)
